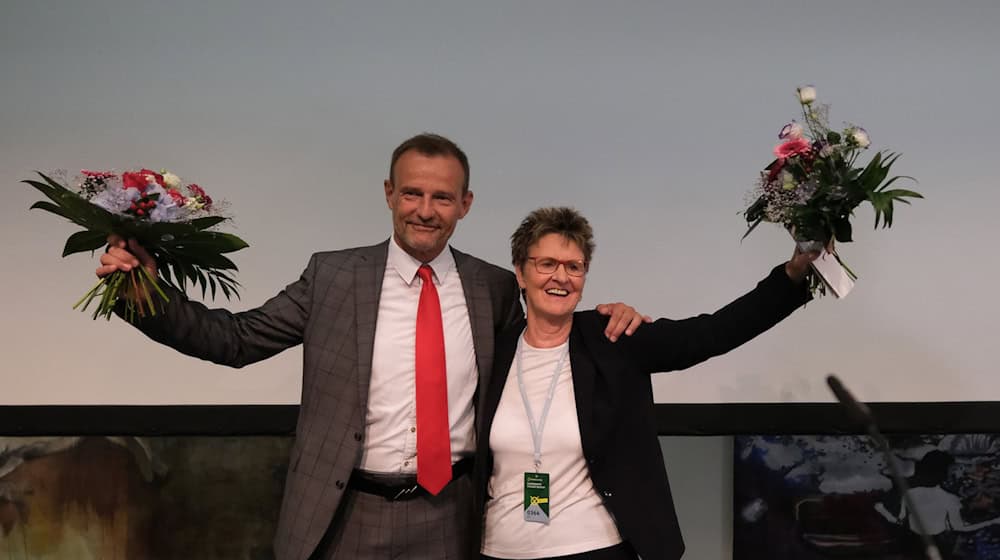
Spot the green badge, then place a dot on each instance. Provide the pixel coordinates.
(536, 497)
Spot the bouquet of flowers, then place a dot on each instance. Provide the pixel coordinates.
(816, 182)
(172, 220)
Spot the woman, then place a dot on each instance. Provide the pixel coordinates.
(568, 461)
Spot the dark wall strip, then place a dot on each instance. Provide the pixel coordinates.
(826, 418)
(161, 420)
(672, 419)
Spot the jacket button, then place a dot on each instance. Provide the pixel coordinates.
(357, 436)
(339, 484)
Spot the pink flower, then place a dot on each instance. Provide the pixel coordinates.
(792, 147)
(791, 130)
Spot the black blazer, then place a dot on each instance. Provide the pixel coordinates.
(614, 402)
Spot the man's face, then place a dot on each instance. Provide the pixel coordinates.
(426, 202)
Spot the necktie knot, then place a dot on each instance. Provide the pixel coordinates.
(425, 273)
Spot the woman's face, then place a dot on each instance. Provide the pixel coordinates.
(555, 294)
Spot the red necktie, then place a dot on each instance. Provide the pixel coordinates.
(433, 435)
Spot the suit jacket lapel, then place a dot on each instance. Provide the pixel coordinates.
(584, 377)
(479, 304)
(368, 275)
(598, 379)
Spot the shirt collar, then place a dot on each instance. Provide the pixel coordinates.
(406, 266)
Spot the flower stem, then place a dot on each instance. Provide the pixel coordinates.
(156, 286)
(90, 295)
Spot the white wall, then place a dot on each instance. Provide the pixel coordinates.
(701, 480)
(653, 118)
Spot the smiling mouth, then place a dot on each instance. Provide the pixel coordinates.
(557, 292)
(423, 227)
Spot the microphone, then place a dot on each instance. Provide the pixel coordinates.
(860, 413)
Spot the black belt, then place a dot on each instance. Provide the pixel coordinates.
(403, 488)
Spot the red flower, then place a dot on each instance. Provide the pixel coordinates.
(156, 176)
(131, 180)
(775, 168)
(139, 179)
(176, 195)
(792, 147)
(98, 174)
(199, 193)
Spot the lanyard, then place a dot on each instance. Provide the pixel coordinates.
(536, 429)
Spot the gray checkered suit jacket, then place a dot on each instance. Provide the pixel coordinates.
(331, 311)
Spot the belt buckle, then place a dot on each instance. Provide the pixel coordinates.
(405, 493)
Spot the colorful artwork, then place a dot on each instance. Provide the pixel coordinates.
(818, 497)
(114, 498)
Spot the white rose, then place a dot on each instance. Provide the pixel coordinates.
(807, 94)
(171, 181)
(860, 137)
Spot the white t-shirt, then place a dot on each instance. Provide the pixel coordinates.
(578, 519)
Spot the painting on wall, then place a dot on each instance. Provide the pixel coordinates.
(822, 497)
(118, 498)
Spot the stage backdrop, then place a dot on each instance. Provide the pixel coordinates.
(816, 497)
(653, 119)
(154, 498)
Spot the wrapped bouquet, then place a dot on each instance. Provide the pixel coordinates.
(816, 182)
(173, 220)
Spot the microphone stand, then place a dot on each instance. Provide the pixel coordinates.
(860, 413)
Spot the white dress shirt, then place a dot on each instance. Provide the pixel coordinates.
(391, 419)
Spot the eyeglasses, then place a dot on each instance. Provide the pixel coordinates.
(548, 265)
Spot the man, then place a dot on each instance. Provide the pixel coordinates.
(396, 355)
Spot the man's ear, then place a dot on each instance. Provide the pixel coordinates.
(466, 203)
(387, 184)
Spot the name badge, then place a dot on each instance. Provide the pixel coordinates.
(536, 497)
